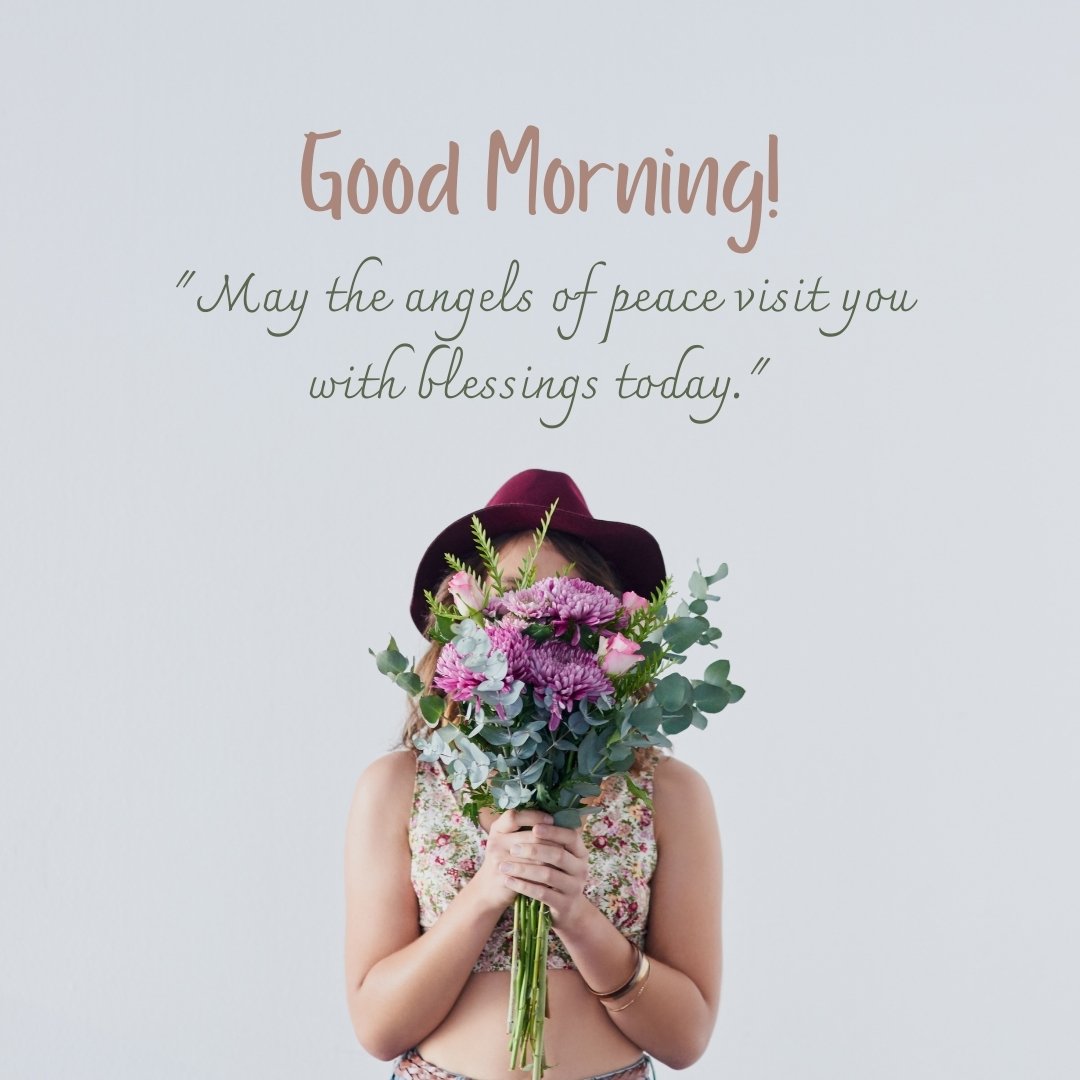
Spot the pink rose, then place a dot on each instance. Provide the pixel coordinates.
(465, 590)
(617, 654)
(631, 602)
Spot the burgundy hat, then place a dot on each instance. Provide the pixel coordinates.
(519, 506)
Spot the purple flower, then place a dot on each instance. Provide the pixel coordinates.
(564, 601)
(562, 675)
(487, 664)
(515, 646)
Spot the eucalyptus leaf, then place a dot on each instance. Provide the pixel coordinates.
(390, 661)
(585, 788)
(647, 716)
(675, 724)
(533, 772)
(709, 698)
(717, 672)
(431, 708)
(683, 632)
(577, 723)
(589, 752)
(409, 681)
(672, 692)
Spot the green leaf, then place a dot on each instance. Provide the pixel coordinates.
(527, 569)
(409, 681)
(577, 723)
(699, 720)
(443, 630)
(589, 752)
(720, 573)
(431, 708)
(568, 819)
(716, 674)
(709, 698)
(638, 793)
(698, 585)
(734, 692)
(698, 607)
(390, 661)
(532, 773)
(672, 692)
(585, 787)
(646, 716)
(681, 633)
(673, 725)
(488, 555)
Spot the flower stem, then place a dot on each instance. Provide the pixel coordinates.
(528, 985)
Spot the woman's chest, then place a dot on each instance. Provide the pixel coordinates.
(448, 849)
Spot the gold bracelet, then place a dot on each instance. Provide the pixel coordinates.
(629, 982)
(644, 983)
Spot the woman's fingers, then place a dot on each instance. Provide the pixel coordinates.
(530, 877)
(512, 820)
(569, 838)
(534, 850)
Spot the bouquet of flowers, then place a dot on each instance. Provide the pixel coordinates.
(540, 692)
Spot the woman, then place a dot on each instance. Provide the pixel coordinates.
(429, 896)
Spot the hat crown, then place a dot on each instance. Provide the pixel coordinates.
(519, 506)
(541, 487)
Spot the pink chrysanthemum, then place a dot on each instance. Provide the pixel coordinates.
(461, 677)
(564, 601)
(453, 677)
(562, 675)
(515, 646)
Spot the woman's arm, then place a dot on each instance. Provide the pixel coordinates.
(401, 984)
(675, 1014)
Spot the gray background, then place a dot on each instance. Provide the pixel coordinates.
(197, 556)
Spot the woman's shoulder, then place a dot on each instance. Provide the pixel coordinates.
(387, 782)
(679, 791)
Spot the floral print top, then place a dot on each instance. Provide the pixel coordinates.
(447, 849)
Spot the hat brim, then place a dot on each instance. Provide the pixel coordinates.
(632, 552)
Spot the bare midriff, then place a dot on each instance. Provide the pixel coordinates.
(580, 1039)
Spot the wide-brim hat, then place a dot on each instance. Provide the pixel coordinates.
(519, 506)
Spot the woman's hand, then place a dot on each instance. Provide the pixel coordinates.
(550, 864)
(502, 834)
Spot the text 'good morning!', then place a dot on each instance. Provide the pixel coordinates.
(517, 173)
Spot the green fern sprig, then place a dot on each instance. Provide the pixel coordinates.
(437, 609)
(455, 563)
(647, 620)
(640, 675)
(527, 570)
(488, 555)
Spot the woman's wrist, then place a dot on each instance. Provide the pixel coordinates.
(602, 955)
(486, 903)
